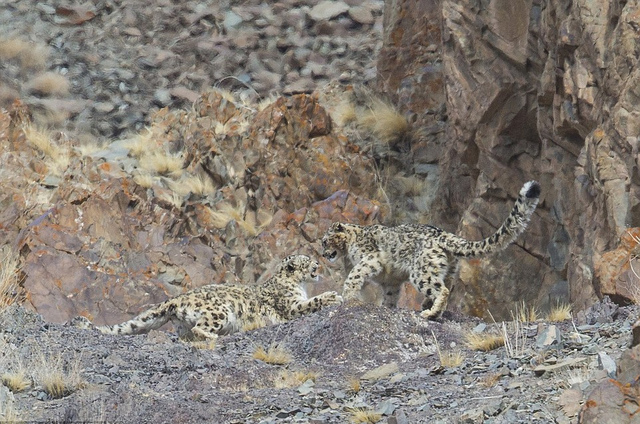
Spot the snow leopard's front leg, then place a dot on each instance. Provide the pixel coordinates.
(369, 266)
(314, 304)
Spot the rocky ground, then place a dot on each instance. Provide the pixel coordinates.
(125, 59)
(344, 364)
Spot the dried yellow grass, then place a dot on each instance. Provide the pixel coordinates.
(49, 84)
(162, 163)
(140, 144)
(525, 313)
(208, 344)
(226, 94)
(560, 312)
(56, 379)
(286, 378)
(251, 225)
(490, 380)
(172, 198)
(8, 413)
(144, 179)
(16, 381)
(448, 359)
(57, 158)
(344, 113)
(254, 324)
(354, 384)
(30, 56)
(276, 354)
(266, 102)
(9, 277)
(384, 122)
(197, 185)
(484, 341)
(361, 415)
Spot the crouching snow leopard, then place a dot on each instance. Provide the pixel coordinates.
(219, 309)
(427, 254)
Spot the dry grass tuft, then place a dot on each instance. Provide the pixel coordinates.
(208, 344)
(30, 56)
(515, 335)
(345, 113)
(57, 378)
(49, 84)
(354, 384)
(57, 157)
(285, 378)
(8, 413)
(484, 341)
(361, 415)
(140, 144)
(560, 312)
(448, 359)
(16, 381)
(384, 121)
(276, 355)
(526, 314)
(162, 163)
(266, 102)
(490, 380)
(251, 225)
(9, 277)
(197, 185)
(254, 324)
(144, 179)
(172, 198)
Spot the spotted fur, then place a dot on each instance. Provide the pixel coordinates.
(427, 254)
(218, 309)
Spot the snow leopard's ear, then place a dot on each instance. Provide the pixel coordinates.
(290, 268)
(338, 227)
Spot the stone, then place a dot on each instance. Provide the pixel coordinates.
(605, 362)
(549, 337)
(327, 9)
(361, 15)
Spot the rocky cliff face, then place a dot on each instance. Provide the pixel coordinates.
(531, 90)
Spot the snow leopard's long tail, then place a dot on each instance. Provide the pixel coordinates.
(511, 228)
(151, 319)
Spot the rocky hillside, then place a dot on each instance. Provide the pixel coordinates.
(148, 149)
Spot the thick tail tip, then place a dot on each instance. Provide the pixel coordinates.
(531, 190)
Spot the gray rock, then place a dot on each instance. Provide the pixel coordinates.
(326, 10)
(549, 337)
(605, 362)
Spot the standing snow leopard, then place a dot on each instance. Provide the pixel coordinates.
(427, 254)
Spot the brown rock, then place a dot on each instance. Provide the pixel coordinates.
(615, 400)
(618, 270)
